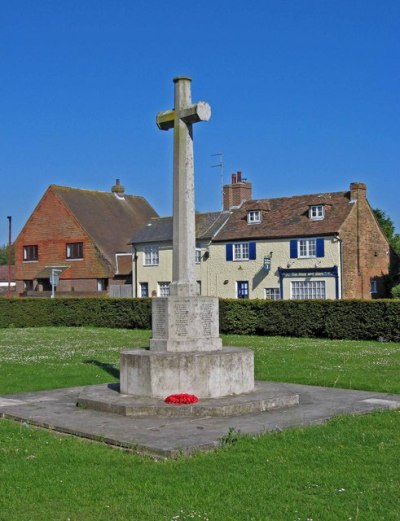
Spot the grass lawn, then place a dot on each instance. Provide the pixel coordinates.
(348, 469)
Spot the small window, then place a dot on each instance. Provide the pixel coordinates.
(74, 250)
(241, 251)
(144, 289)
(28, 285)
(272, 294)
(163, 289)
(254, 216)
(307, 248)
(102, 284)
(31, 253)
(374, 287)
(198, 256)
(317, 212)
(151, 256)
(242, 287)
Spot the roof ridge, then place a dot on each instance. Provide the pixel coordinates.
(102, 192)
(293, 196)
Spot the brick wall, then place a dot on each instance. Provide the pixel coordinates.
(50, 227)
(366, 252)
(240, 190)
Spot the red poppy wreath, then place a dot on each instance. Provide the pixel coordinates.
(181, 399)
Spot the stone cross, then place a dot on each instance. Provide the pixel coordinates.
(181, 119)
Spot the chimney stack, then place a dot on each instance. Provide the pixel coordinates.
(358, 191)
(118, 189)
(237, 192)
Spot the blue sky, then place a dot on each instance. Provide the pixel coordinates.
(305, 96)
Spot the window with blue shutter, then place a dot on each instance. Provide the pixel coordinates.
(229, 252)
(252, 251)
(293, 249)
(320, 248)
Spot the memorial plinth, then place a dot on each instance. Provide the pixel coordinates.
(182, 324)
(186, 354)
(207, 374)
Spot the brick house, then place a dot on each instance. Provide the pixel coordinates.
(326, 245)
(83, 234)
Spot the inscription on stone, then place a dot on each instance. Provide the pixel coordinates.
(160, 329)
(181, 312)
(206, 310)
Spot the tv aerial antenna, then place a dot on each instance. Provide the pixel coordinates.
(220, 165)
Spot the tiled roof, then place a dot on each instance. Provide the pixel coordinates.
(124, 264)
(108, 218)
(288, 217)
(4, 272)
(159, 229)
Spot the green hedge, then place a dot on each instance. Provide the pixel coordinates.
(99, 312)
(345, 319)
(342, 319)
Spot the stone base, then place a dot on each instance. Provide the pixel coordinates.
(207, 374)
(181, 324)
(266, 396)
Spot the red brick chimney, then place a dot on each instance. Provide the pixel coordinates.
(358, 191)
(237, 192)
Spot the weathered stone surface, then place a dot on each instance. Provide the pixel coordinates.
(56, 410)
(186, 354)
(207, 374)
(185, 324)
(264, 397)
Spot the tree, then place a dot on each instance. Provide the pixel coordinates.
(388, 228)
(4, 254)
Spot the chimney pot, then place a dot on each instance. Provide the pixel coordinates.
(237, 192)
(118, 188)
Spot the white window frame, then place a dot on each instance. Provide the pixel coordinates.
(317, 212)
(240, 251)
(272, 294)
(254, 216)
(151, 256)
(307, 248)
(308, 289)
(197, 257)
(163, 289)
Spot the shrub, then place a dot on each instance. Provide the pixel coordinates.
(340, 319)
(99, 312)
(396, 291)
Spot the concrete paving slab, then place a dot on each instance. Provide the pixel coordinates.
(169, 437)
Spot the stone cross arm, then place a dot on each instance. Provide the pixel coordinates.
(200, 111)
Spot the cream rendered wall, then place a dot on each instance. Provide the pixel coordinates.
(219, 277)
(163, 271)
(225, 274)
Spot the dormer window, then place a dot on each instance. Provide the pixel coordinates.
(317, 212)
(254, 216)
